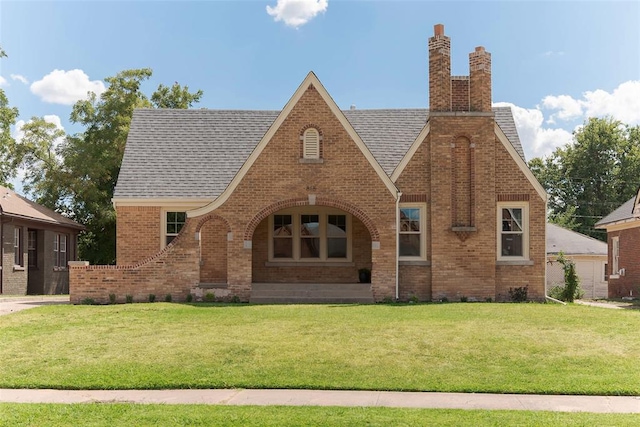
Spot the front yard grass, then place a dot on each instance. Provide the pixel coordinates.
(53, 415)
(491, 348)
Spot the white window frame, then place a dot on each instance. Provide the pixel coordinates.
(32, 248)
(163, 223)
(323, 213)
(525, 230)
(311, 144)
(423, 231)
(615, 257)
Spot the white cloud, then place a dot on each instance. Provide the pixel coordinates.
(536, 140)
(540, 138)
(66, 87)
(570, 108)
(3, 82)
(622, 104)
(20, 78)
(295, 13)
(551, 53)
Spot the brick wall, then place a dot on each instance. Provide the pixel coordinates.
(629, 259)
(138, 233)
(14, 279)
(174, 270)
(213, 246)
(460, 93)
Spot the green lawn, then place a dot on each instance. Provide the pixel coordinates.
(15, 415)
(501, 348)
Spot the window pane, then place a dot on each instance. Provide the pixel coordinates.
(410, 219)
(172, 229)
(512, 219)
(283, 248)
(309, 247)
(512, 245)
(171, 217)
(169, 239)
(282, 225)
(409, 245)
(337, 248)
(337, 226)
(309, 225)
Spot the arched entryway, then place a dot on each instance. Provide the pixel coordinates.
(313, 250)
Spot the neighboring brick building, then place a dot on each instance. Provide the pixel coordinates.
(37, 243)
(623, 236)
(437, 203)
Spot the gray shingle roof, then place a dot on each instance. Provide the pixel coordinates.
(572, 243)
(623, 213)
(196, 153)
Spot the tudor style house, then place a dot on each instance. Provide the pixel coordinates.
(623, 236)
(437, 203)
(37, 243)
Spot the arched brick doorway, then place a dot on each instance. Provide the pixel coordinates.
(213, 231)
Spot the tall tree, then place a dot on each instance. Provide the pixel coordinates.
(91, 159)
(593, 175)
(35, 153)
(8, 116)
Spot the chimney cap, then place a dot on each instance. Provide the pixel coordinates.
(353, 107)
(438, 29)
(480, 49)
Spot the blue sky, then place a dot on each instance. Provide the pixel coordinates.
(556, 63)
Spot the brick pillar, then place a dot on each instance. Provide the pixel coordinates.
(439, 70)
(480, 80)
(239, 272)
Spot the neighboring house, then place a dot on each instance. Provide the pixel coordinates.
(437, 203)
(588, 254)
(37, 243)
(623, 236)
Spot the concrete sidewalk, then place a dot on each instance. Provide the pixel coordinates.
(597, 404)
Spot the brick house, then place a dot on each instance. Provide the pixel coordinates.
(436, 203)
(623, 238)
(37, 243)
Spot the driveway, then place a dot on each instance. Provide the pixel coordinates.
(12, 304)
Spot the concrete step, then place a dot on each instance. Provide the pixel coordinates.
(311, 293)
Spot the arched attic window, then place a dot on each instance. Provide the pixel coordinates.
(311, 144)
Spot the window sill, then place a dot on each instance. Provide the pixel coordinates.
(614, 276)
(421, 263)
(309, 264)
(515, 262)
(59, 269)
(18, 268)
(311, 161)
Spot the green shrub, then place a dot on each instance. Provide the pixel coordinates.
(112, 298)
(128, 299)
(189, 297)
(210, 297)
(571, 290)
(235, 299)
(88, 301)
(464, 299)
(444, 299)
(414, 299)
(488, 299)
(167, 298)
(152, 297)
(519, 294)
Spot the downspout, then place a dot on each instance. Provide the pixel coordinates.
(398, 244)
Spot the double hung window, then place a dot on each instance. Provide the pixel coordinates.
(412, 232)
(513, 231)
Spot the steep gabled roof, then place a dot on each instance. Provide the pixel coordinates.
(14, 205)
(572, 243)
(197, 153)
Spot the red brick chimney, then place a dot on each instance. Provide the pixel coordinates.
(439, 70)
(480, 80)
